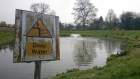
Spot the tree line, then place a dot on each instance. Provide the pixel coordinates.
(4, 24)
(85, 12)
(126, 21)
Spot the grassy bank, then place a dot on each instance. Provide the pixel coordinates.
(118, 67)
(6, 38)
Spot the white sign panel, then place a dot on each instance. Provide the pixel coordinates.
(36, 37)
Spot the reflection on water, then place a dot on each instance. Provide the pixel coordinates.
(91, 52)
(82, 53)
(9, 47)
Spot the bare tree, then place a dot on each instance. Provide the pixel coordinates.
(42, 8)
(84, 12)
(34, 7)
(111, 18)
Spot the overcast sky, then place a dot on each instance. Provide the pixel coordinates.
(64, 8)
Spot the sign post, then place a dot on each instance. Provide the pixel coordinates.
(36, 38)
(37, 70)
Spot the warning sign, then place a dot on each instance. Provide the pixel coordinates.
(37, 37)
(39, 30)
(38, 48)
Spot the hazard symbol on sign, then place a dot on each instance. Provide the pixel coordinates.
(39, 30)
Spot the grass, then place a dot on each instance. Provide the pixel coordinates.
(118, 67)
(6, 38)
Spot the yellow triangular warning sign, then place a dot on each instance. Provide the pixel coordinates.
(39, 30)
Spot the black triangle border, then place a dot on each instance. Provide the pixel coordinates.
(37, 36)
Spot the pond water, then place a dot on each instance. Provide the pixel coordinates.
(76, 52)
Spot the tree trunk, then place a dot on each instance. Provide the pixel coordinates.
(83, 26)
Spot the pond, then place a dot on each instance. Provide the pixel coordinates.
(76, 52)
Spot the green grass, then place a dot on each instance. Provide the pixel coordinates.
(6, 38)
(118, 67)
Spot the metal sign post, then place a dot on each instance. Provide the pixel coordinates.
(37, 72)
(36, 39)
